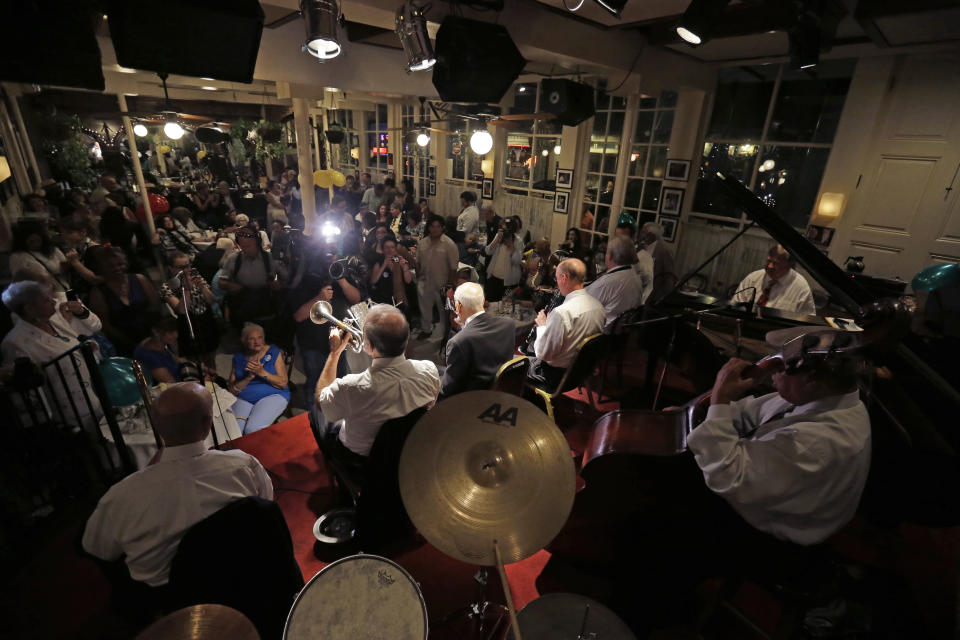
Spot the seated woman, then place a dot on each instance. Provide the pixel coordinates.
(123, 301)
(258, 378)
(155, 353)
(172, 239)
(31, 248)
(47, 330)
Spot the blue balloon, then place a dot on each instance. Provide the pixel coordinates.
(121, 384)
(936, 276)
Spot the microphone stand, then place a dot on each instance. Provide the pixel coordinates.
(193, 343)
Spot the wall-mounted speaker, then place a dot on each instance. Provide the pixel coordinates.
(571, 102)
(200, 38)
(476, 61)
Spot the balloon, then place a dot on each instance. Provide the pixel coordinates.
(626, 217)
(121, 384)
(936, 276)
(159, 204)
(339, 179)
(163, 148)
(201, 154)
(322, 178)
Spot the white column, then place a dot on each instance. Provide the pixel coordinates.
(301, 124)
(137, 170)
(17, 165)
(13, 91)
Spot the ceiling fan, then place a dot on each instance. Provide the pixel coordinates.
(174, 122)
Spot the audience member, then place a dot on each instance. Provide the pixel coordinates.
(144, 516)
(155, 354)
(506, 262)
(32, 249)
(185, 289)
(437, 258)
(372, 196)
(258, 377)
(275, 207)
(127, 236)
(620, 288)
(491, 221)
(483, 344)
(389, 275)
(664, 275)
(249, 276)
(171, 239)
(74, 240)
(469, 219)
(123, 301)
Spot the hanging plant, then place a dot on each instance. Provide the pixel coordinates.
(269, 132)
(67, 149)
(240, 129)
(335, 134)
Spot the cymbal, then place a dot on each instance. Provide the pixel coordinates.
(561, 615)
(483, 466)
(201, 622)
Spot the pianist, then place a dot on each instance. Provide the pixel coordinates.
(777, 285)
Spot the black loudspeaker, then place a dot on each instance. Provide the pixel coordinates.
(476, 61)
(209, 135)
(200, 38)
(571, 102)
(51, 43)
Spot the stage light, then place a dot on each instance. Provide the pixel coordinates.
(481, 142)
(696, 21)
(805, 44)
(423, 138)
(556, 150)
(140, 130)
(173, 130)
(412, 31)
(320, 18)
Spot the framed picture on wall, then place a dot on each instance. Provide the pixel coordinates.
(561, 201)
(669, 227)
(564, 178)
(432, 173)
(671, 199)
(678, 170)
(432, 188)
(486, 192)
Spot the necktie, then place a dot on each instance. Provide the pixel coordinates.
(777, 416)
(765, 294)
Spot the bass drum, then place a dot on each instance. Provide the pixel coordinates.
(361, 596)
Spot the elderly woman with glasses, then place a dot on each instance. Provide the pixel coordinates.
(258, 377)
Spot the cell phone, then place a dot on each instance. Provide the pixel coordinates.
(72, 295)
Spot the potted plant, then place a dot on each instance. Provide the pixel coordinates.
(269, 132)
(335, 134)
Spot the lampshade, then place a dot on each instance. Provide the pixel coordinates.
(140, 130)
(423, 138)
(830, 205)
(173, 130)
(481, 142)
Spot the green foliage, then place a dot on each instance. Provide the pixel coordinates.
(67, 149)
(240, 129)
(264, 149)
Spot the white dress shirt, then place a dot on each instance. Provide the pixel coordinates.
(390, 388)
(798, 477)
(507, 262)
(580, 316)
(618, 290)
(644, 269)
(790, 293)
(146, 515)
(469, 220)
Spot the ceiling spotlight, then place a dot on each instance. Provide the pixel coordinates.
(481, 142)
(173, 130)
(412, 31)
(423, 138)
(556, 150)
(140, 130)
(805, 44)
(699, 17)
(320, 18)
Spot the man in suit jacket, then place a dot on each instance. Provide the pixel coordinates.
(485, 342)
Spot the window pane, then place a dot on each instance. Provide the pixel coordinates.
(648, 103)
(545, 164)
(668, 99)
(600, 124)
(658, 162)
(610, 163)
(638, 160)
(809, 102)
(741, 102)
(596, 160)
(632, 197)
(516, 166)
(663, 127)
(791, 184)
(592, 188)
(618, 102)
(616, 124)
(605, 197)
(382, 115)
(733, 160)
(651, 195)
(644, 126)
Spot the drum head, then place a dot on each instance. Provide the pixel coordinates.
(360, 596)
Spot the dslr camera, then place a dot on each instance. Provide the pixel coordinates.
(509, 227)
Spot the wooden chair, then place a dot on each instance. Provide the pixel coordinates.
(512, 376)
(619, 340)
(578, 374)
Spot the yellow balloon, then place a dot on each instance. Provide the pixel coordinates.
(163, 149)
(338, 179)
(322, 178)
(201, 154)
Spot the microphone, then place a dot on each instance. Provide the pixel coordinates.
(747, 306)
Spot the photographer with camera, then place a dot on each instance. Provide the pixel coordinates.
(504, 269)
(318, 281)
(389, 275)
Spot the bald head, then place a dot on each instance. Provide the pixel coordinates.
(570, 275)
(386, 331)
(183, 414)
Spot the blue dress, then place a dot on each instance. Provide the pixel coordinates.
(258, 388)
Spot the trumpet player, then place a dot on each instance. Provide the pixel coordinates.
(350, 410)
(316, 285)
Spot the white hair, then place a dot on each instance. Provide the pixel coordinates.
(242, 218)
(248, 327)
(621, 250)
(469, 295)
(19, 294)
(654, 228)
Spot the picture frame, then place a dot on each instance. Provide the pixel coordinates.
(671, 201)
(486, 193)
(669, 225)
(564, 179)
(820, 236)
(432, 189)
(561, 201)
(432, 173)
(678, 170)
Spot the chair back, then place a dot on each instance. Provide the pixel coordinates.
(381, 516)
(627, 317)
(512, 376)
(241, 557)
(588, 355)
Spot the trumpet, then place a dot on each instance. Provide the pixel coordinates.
(322, 312)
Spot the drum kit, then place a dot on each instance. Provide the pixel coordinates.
(488, 479)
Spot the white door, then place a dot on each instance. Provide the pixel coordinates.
(905, 214)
